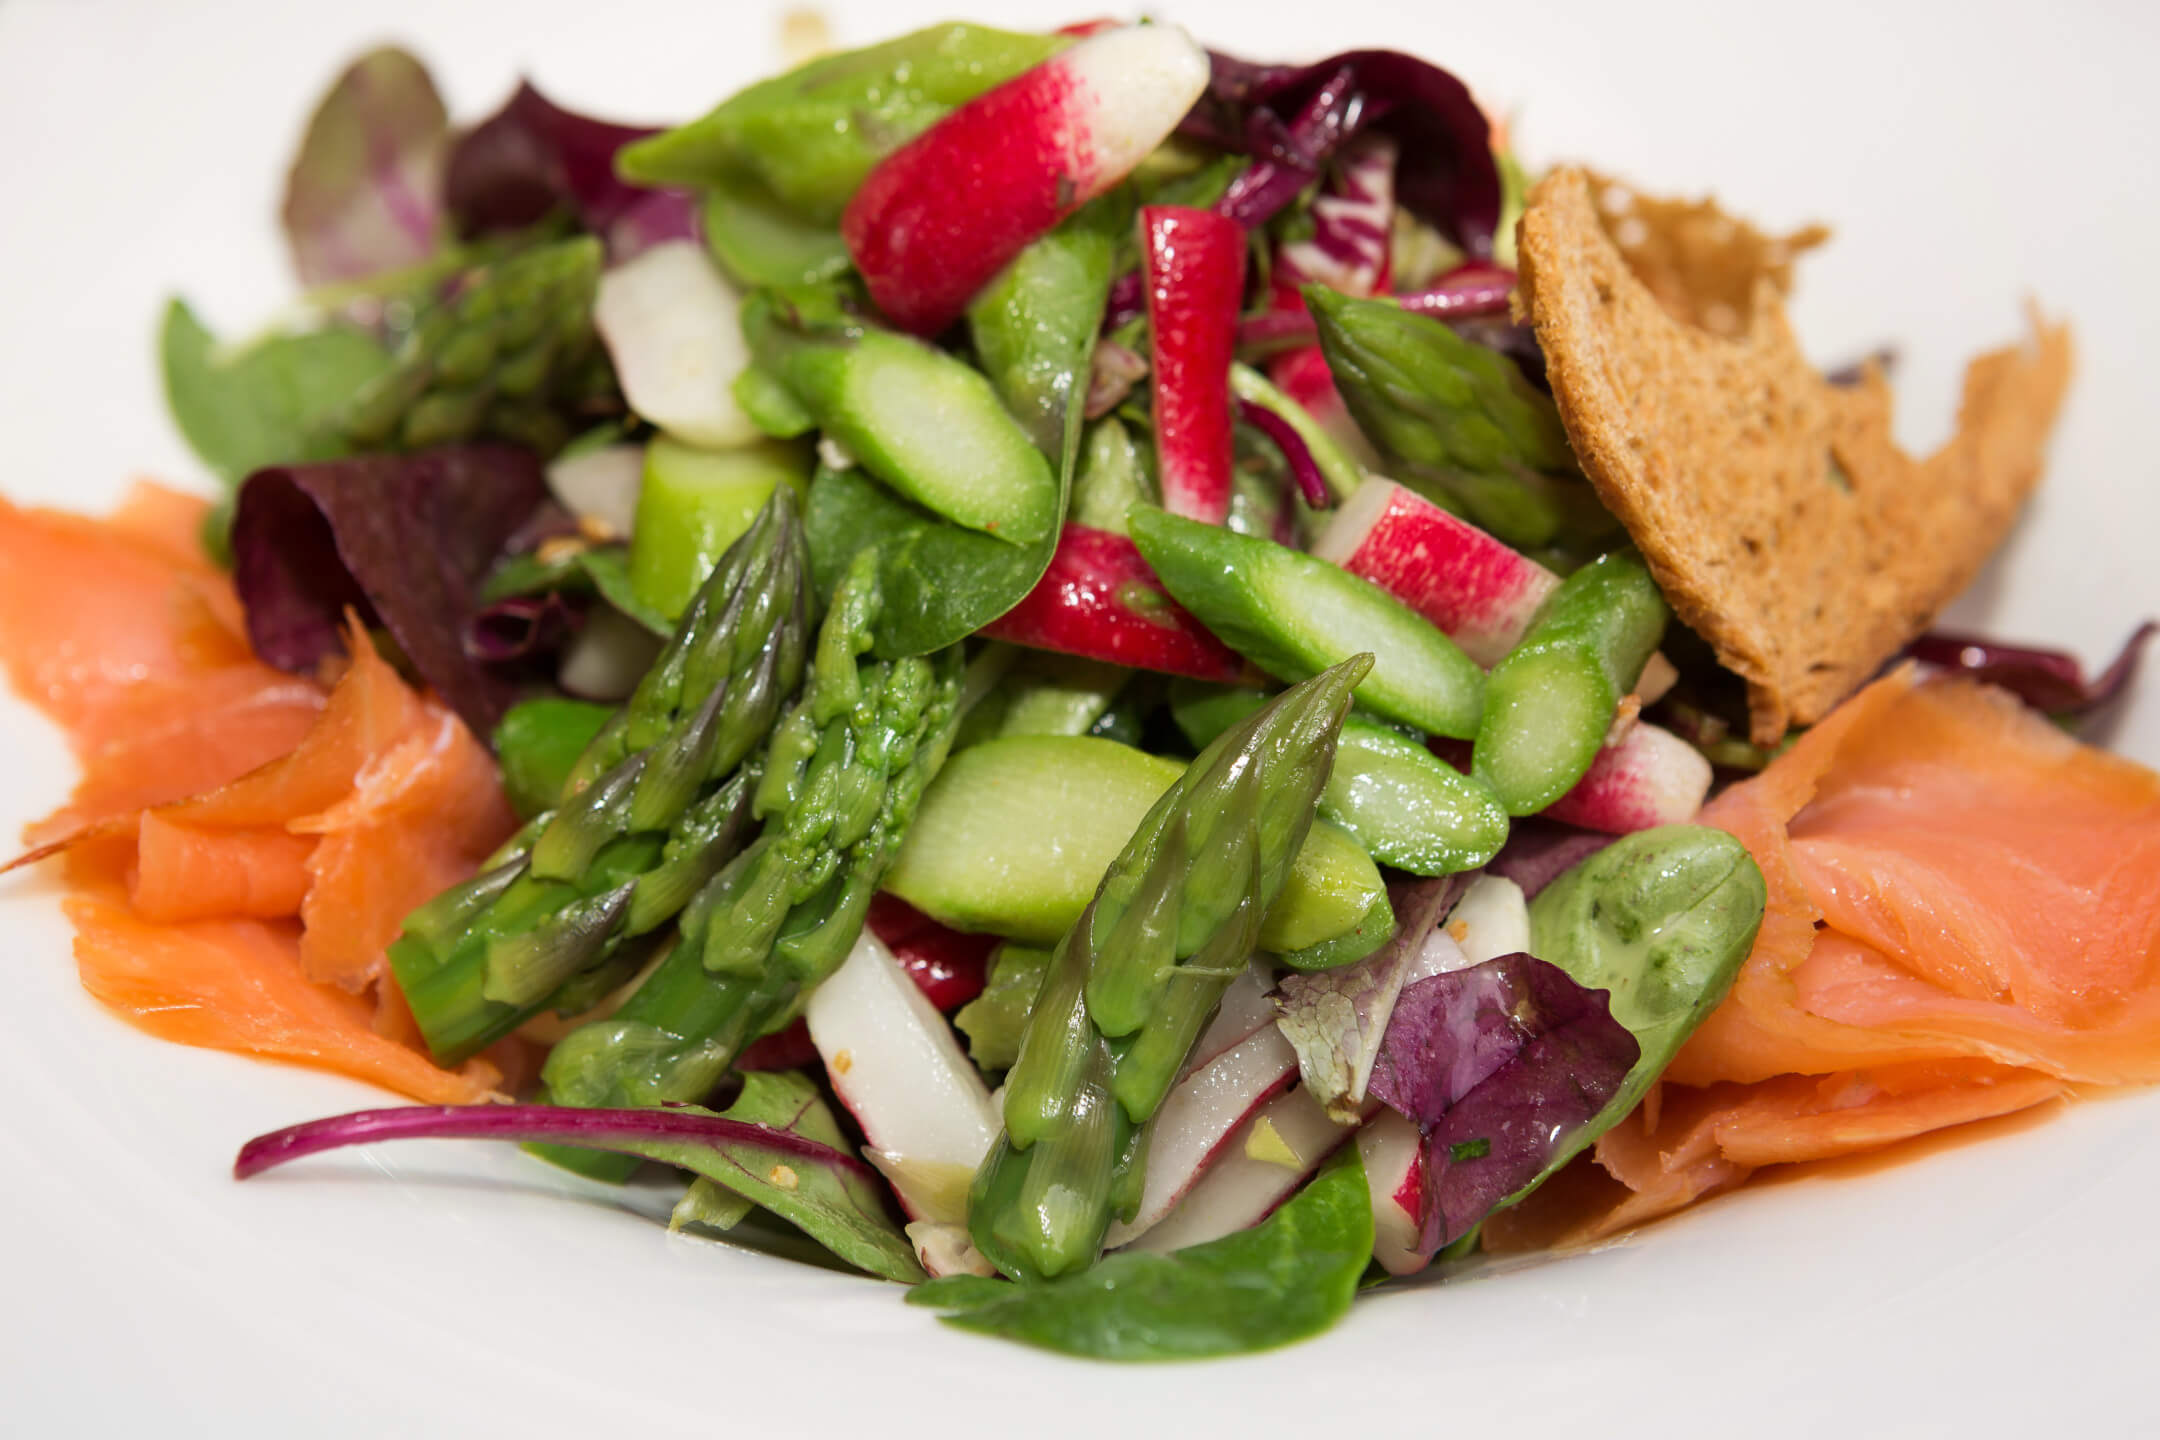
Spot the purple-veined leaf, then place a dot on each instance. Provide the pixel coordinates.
(364, 193)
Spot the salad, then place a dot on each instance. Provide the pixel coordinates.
(1134, 689)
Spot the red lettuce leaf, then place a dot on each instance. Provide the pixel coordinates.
(1501, 1066)
(533, 159)
(404, 540)
(365, 191)
(2049, 680)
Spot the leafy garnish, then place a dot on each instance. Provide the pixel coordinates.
(780, 1100)
(830, 1195)
(1335, 1019)
(1290, 1277)
(269, 404)
(1502, 1066)
(365, 192)
(403, 539)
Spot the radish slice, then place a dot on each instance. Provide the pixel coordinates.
(894, 1064)
(1492, 919)
(1658, 677)
(1651, 777)
(671, 325)
(1246, 1006)
(942, 215)
(1194, 267)
(1393, 1153)
(1267, 1159)
(601, 486)
(1100, 600)
(1477, 590)
(1304, 376)
(1199, 1116)
(608, 656)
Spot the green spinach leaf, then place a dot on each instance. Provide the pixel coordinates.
(1286, 1279)
(268, 404)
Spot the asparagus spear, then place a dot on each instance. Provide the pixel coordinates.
(1134, 981)
(502, 359)
(1550, 702)
(842, 777)
(1454, 417)
(649, 815)
(927, 424)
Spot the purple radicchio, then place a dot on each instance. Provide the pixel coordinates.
(1501, 1066)
(533, 158)
(1539, 851)
(2048, 680)
(364, 192)
(1292, 119)
(404, 541)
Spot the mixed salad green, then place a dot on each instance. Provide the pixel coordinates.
(1057, 528)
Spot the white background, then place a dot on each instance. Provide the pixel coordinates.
(1968, 156)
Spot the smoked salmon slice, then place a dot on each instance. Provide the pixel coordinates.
(1963, 921)
(222, 801)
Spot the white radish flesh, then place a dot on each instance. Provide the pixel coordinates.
(671, 325)
(895, 1065)
(1393, 1153)
(1492, 919)
(601, 486)
(1241, 1189)
(1199, 1117)
(1651, 778)
(608, 656)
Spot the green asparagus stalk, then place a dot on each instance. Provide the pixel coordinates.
(1549, 702)
(502, 359)
(842, 777)
(1135, 980)
(1294, 615)
(926, 423)
(1454, 417)
(655, 806)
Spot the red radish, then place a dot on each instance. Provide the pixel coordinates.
(1197, 1119)
(893, 1062)
(1193, 263)
(1473, 587)
(1651, 777)
(942, 215)
(1394, 1156)
(1265, 1162)
(1099, 599)
(950, 968)
(789, 1049)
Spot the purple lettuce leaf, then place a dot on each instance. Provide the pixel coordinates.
(533, 159)
(1540, 851)
(1291, 119)
(403, 540)
(364, 192)
(2048, 680)
(1501, 1066)
(521, 627)
(1335, 1019)
(830, 1195)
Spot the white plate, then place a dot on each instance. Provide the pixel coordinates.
(1968, 155)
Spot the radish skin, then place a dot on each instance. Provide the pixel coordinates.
(1651, 777)
(937, 219)
(1099, 599)
(1477, 590)
(1194, 269)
